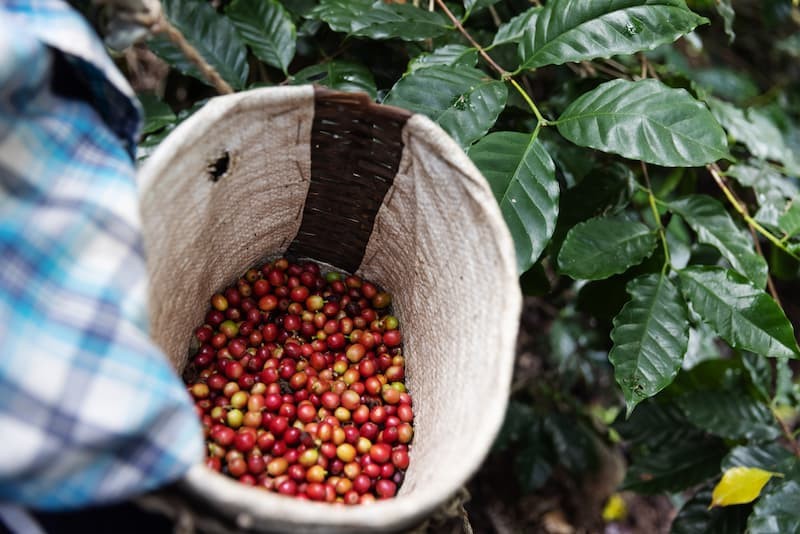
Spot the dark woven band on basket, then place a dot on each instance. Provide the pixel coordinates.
(356, 148)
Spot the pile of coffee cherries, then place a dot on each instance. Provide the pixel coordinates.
(299, 383)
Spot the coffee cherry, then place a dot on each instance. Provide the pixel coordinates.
(380, 453)
(385, 488)
(309, 370)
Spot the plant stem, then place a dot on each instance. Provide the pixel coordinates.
(787, 432)
(504, 74)
(657, 216)
(738, 206)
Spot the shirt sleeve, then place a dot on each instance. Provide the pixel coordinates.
(90, 409)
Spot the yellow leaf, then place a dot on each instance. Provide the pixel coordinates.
(615, 509)
(740, 485)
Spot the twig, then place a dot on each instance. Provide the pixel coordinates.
(770, 283)
(495, 17)
(739, 206)
(787, 432)
(504, 74)
(162, 25)
(661, 233)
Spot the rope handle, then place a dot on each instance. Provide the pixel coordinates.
(150, 15)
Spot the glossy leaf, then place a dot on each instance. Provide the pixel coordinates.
(464, 101)
(576, 30)
(743, 315)
(600, 247)
(650, 335)
(729, 84)
(606, 191)
(157, 113)
(572, 443)
(378, 20)
(514, 30)
(674, 468)
(339, 75)
(709, 219)
(341, 15)
(655, 425)
(753, 129)
(695, 516)
(729, 415)
(789, 220)
(740, 485)
(768, 456)
(531, 469)
(452, 54)
(777, 510)
(774, 192)
(760, 371)
(522, 177)
(267, 28)
(645, 120)
(213, 36)
(518, 419)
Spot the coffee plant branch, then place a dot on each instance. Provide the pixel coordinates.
(504, 74)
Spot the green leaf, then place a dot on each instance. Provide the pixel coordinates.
(773, 190)
(514, 30)
(339, 75)
(751, 128)
(726, 83)
(695, 516)
(760, 371)
(606, 191)
(650, 335)
(531, 469)
(702, 347)
(600, 247)
(674, 468)
(789, 220)
(756, 131)
(341, 15)
(679, 242)
(645, 120)
(213, 36)
(522, 177)
(464, 101)
(776, 512)
(452, 54)
(725, 10)
(768, 456)
(519, 418)
(729, 415)
(572, 442)
(656, 425)
(577, 30)
(157, 113)
(743, 315)
(378, 20)
(267, 27)
(714, 226)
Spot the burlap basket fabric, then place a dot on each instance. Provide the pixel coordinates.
(369, 189)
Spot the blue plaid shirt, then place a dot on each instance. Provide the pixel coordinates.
(90, 409)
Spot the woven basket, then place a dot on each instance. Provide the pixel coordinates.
(369, 189)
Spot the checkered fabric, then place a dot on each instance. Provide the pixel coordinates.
(90, 409)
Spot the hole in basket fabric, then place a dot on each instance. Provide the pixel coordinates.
(217, 169)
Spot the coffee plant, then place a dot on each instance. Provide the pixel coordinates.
(648, 176)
